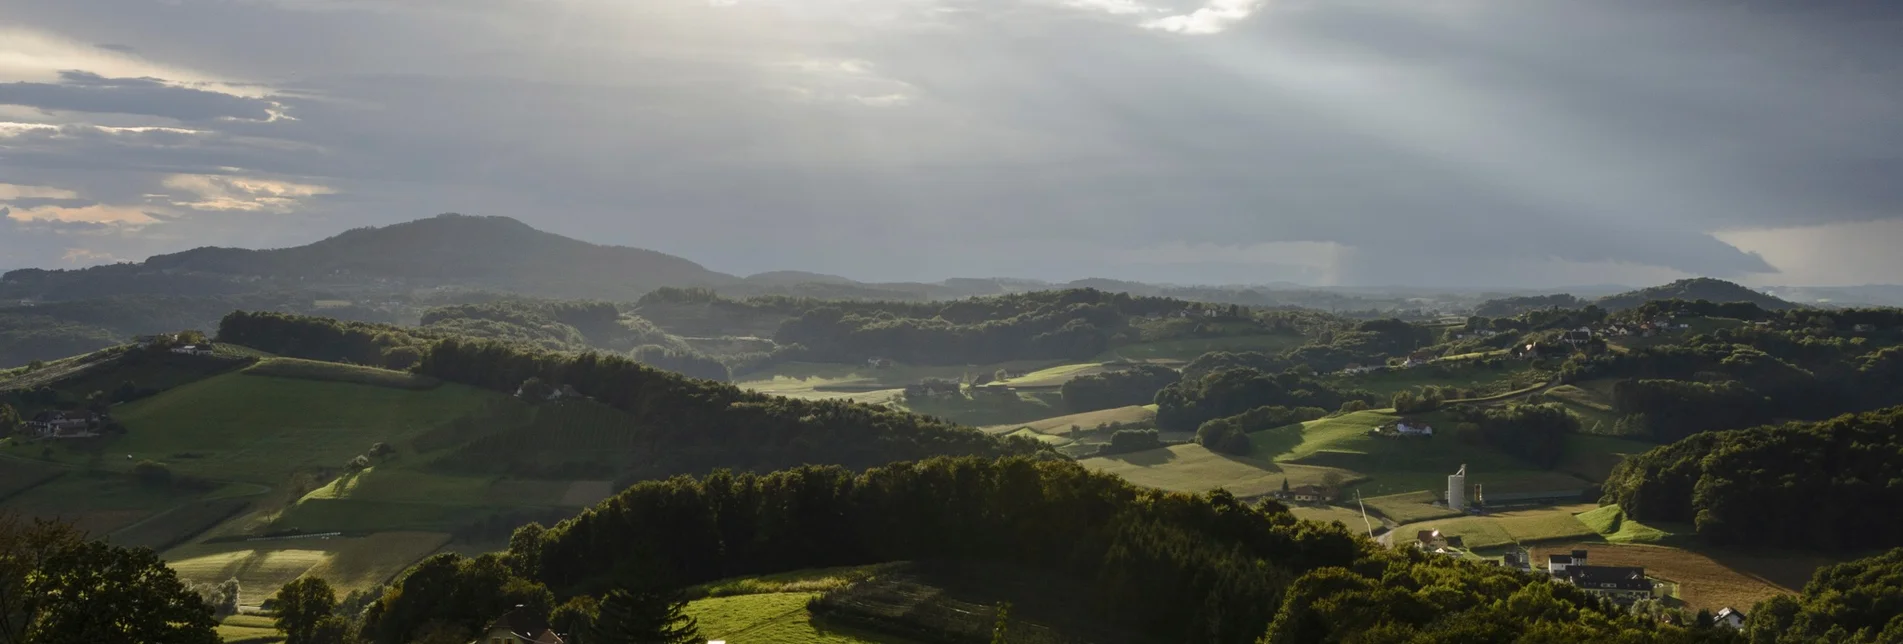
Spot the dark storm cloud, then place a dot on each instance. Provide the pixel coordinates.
(938, 138)
(82, 91)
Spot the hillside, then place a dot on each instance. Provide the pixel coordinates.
(447, 250)
(1701, 288)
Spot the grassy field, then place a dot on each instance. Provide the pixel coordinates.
(1408, 507)
(19, 475)
(1402, 465)
(1503, 528)
(249, 629)
(1191, 468)
(1060, 425)
(180, 523)
(261, 567)
(396, 485)
(334, 372)
(1390, 381)
(1374, 467)
(806, 378)
(1186, 349)
(1706, 577)
(99, 503)
(798, 581)
(1614, 526)
(774, 618)
(982, 410)
(1058, 375)
(255, 428)
(1325, 514)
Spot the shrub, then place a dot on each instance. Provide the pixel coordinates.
(152, 473)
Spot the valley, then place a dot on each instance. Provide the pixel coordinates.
(488, 438)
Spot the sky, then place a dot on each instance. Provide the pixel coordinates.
(1509, 143)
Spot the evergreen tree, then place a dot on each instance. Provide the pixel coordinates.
(645, 617)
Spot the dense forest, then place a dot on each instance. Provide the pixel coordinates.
(1797, 484)
(702, 424)
(1186, 405)
(1858, 602)
(1162, 567)
(1134, 386)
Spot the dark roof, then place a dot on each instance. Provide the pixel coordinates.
(1609, 578)
(1559, 558)
(521, 622)
(1579, 554)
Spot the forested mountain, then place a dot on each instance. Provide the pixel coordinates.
(1691, 290)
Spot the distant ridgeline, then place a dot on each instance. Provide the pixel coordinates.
(1690, 290)
(1830, 485)
(1068, 324)
(53, 330)
(703, 424)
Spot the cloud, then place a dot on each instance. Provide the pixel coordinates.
(1211, 18)
(89, 214)
(248, 194)
(11, 192)
(1439, 141)
(82, 91)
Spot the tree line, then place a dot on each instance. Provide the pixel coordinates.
(1165, 567)
(1797, 484)
(1186, 405)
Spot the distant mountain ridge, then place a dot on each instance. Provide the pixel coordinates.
(1697, 288)
(496, 253)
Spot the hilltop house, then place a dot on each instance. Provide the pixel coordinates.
(194, 349)
(1577, 336)
(1730, 617)
(64, 424)
(517, 627)
(1421, 429)
(1418, 358)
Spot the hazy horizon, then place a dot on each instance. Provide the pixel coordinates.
(1430, 143)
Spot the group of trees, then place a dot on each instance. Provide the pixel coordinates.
(1134, 386)
(1230, 434)
(1857, 602)
(1796, 484)
(720, 423)
(1167, 567)
(1186, 405)
(1067, 331)
(315, 338)
(1535, 433)
(56, 587)
(686, 362)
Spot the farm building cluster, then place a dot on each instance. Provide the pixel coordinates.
(65, 424)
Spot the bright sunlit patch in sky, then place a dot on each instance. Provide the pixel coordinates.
(1211, 18)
